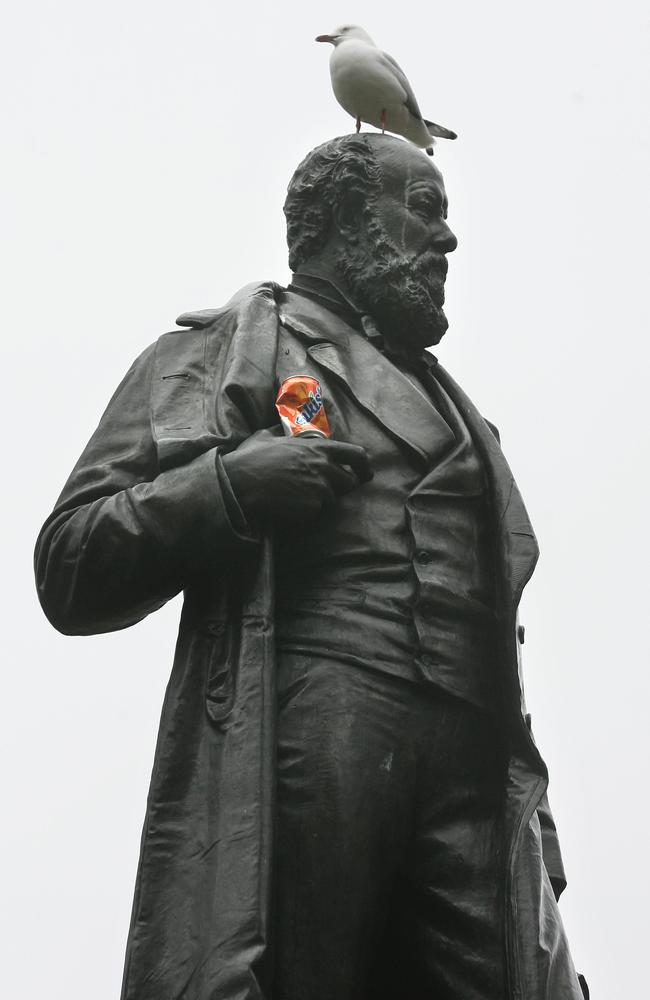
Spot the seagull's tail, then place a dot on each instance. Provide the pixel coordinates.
(438, 130)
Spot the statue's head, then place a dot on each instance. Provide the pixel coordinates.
(372, 210)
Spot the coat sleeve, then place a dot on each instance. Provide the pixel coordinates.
(124, 537)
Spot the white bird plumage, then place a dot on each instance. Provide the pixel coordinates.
(373, 88)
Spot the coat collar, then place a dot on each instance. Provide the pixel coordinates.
(385, 392)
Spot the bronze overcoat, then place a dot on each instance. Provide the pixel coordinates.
(145, 514)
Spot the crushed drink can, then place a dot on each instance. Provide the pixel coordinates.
(300, 405)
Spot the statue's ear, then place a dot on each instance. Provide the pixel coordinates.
(348, 214)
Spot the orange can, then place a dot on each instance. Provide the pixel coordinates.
(300, 405)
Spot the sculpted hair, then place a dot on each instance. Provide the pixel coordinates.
(343, 169)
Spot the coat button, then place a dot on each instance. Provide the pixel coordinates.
(426, 660)
(423, 556)
(521, 633)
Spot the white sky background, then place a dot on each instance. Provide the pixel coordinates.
(148, 149)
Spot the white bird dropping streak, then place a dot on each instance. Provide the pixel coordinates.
(372, 87)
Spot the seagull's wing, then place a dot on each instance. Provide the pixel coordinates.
(400, 75)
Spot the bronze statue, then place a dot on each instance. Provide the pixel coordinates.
(346, 802)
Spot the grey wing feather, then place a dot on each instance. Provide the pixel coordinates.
(396, 70)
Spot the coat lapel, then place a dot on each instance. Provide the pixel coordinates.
(376, 384)
(518, 545)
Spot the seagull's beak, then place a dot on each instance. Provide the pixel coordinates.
(324, 38)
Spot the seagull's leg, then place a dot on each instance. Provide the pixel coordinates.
(358, 124)
(382, 120)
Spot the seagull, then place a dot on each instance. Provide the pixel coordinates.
(372, 87)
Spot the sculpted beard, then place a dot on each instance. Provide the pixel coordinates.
(403, 293)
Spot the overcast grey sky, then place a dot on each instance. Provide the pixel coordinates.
(148, 148)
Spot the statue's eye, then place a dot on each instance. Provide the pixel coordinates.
(423, 208)
(426, 206)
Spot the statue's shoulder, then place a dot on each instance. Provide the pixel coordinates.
(257, 296)
(246, 326)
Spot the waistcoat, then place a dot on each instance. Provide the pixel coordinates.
(397, 577)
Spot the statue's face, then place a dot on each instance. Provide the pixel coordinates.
(395, 263)
(412, 205)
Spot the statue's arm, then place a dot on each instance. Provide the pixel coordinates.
(124, 538)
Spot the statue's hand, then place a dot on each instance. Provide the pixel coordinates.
(293, 477)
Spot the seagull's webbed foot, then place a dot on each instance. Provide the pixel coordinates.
(358, 124)
(429, 151)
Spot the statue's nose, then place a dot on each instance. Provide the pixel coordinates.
(445, 240)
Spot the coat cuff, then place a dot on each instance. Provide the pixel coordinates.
(194, 515)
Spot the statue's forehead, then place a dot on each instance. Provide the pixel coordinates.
(403, 166)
